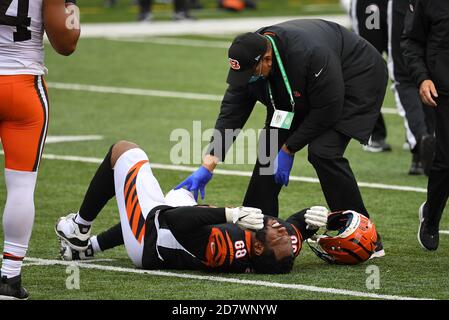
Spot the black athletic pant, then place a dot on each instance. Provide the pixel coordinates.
(362, 20)
(419, 119)
(438, 185)
(326, 155)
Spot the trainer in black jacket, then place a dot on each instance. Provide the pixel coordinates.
(338, 82)
(426, 50)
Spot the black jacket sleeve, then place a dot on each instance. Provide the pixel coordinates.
(236, 108)
(414, 42)
(325, 91)
(298, 220)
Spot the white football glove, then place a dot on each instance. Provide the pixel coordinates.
(316, 217)
(245, 217)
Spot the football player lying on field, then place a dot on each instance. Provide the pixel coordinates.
(173, 232)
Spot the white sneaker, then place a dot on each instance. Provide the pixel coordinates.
(67, 229)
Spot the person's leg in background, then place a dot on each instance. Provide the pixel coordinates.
(431, 211)
(181, 10)
(418, 119)
(23, 133)
(369, 20)
(334, 172)
(263, 191)
(145, 10)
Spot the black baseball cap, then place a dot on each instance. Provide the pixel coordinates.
(244, 53)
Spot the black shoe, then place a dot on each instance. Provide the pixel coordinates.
(416, 167)
(379, 252)
(11, 289)
(377, 146)
(428, 235)
(427, 152)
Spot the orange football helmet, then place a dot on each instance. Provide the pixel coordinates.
(354, 243)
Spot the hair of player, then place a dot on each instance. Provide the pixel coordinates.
(266, 262)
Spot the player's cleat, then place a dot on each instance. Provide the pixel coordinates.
(76, 235)
(416, 167)
(426, 152)
(69, 254)
(379, 251)
(377, 146)
(11, 289)
(428, 235)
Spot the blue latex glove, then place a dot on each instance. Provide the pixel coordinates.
(282, 167)
(197, 181)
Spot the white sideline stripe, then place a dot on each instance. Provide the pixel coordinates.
(300, 287)
(134, 91)
(176, 42)
(444, 231)
(58, 139)
(201, 26)
(32, 264)
(152, 93)
(232, 173)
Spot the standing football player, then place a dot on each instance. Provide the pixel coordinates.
(24, 113)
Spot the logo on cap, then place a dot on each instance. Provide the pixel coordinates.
(234, 64)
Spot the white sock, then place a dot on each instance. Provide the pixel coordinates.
(80, 220)
(95, 244)
(13, 255)
(18, 219)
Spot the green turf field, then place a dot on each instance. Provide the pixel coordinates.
(405, 271)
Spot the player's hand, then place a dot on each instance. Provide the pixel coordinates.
(197, 181)
(245, 217)
(282, 167)
(316, 217)
(428, 92)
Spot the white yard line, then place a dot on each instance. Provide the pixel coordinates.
(134, 91)
(444, 231)
(201, 26)
(152, 93)
(299, 287)
(231, 172)
(59, 139)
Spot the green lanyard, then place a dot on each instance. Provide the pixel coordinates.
(284, 76)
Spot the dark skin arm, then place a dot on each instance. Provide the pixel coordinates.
(61, 23)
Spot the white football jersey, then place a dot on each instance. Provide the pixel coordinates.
(21, 37)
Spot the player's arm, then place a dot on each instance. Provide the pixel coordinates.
(192, 226)
(308, 221)
(183, 220)
(61, 23)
